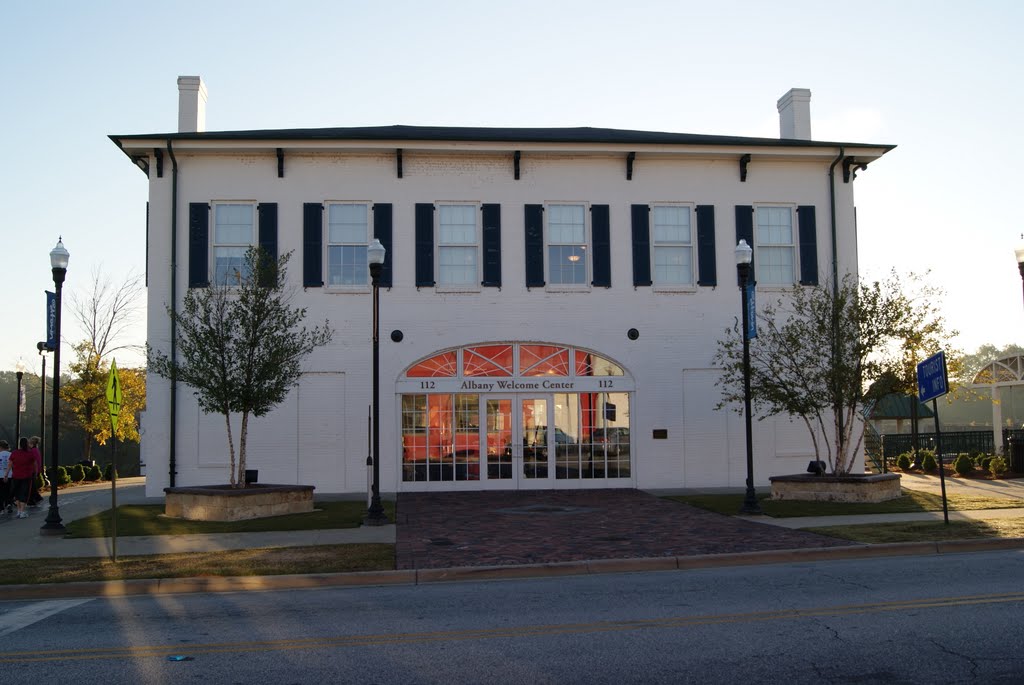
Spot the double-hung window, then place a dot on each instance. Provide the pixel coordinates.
(672, 245)
(567, 245)
(458, 245)
(234, 232)
(348, 230)
(775, 245)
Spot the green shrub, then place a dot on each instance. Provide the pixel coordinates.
(903, 461)
(963, 464)
(107, 472)
(928, 462)
(997, 467)
(63, 478)
(93, 473)
(77, 473)
(39, 482)
(984, 461)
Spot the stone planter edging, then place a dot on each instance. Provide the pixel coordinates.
(876, 487)
(224, 503)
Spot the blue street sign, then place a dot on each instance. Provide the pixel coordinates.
(932, 380)
(751, 313)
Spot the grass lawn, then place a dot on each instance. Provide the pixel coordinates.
(243, 562)
(911, 501)
(921, 531)
(148, 519)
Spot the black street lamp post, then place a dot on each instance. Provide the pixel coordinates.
(375, 254)
(744, 255)
(43, 349)
(1020, 258)
(20, 374)
(59, 264)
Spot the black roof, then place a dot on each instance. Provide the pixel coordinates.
(582, 134)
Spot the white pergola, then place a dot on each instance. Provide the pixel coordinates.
(997, 375)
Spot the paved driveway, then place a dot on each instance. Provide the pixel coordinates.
(440, 530)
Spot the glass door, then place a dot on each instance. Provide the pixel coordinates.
(518, 445)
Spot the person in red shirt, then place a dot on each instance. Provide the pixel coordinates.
(34, 498)
(21, 467)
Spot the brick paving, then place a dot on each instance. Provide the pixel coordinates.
(449, 529)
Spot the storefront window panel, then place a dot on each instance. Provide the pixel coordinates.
(414, 437)
(444, 365)
(543, 360)
(466, 455)
(487, 360)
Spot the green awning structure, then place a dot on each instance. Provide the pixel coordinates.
(896, 406)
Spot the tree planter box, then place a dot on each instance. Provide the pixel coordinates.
(224, 503)
(849, 488)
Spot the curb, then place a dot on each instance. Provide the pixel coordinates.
(171, 586)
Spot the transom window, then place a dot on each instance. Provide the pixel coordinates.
(567, 245)
(775, 249)
(672, 243)
(233, 233)
(514, 359)
(348, 230)
(457, 245)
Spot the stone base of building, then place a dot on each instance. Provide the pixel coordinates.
(849, 488)
(224, 503)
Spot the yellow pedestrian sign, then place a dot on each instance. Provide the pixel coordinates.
(114, 394)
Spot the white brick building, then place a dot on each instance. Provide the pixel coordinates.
(551, 301)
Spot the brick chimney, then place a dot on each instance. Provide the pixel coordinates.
(191, 104)
(795, 114)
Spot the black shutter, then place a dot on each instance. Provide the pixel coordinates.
(491, 245)
(268, 241)
(424, 245)
(534, 221)
(312, 245)
(382, 232)
(641, 244)
(198, 245)
(600, 233)
(707, 271)
(808, 245)
(745, 231)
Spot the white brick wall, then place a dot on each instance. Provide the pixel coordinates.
(319, 435)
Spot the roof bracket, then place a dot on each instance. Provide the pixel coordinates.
(515, 163)
(280, 162)
(142, 162)
(629, 165)
(159, 154)
(850, 168)
(398, 159)
(744, 161)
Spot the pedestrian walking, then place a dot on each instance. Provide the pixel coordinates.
(21, 468)
(34, 498)
(5, 484)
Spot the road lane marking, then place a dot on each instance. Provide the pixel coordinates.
(35, 612)
(137, 652)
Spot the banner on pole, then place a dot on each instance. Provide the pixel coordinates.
(51, 320)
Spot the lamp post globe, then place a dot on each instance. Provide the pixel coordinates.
(59, 257)
(375, 254)
(744, 256)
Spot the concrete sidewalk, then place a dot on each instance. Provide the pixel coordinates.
(20, 538)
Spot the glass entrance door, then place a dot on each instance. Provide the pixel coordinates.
(519, 446)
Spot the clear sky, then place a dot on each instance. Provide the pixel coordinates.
(942, 80)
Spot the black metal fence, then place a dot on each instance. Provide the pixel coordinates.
(895, 444)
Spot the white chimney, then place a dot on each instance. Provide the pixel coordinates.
(795, 114)
(191, 104)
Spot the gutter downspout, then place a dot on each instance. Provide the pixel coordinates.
(836, 356)
(173, 442)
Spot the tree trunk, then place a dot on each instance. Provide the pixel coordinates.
(231, 449)
(243, 434)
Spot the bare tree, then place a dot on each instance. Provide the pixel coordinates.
(108, 311)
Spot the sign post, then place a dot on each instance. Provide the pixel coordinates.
(114, 407)
(933, 382)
